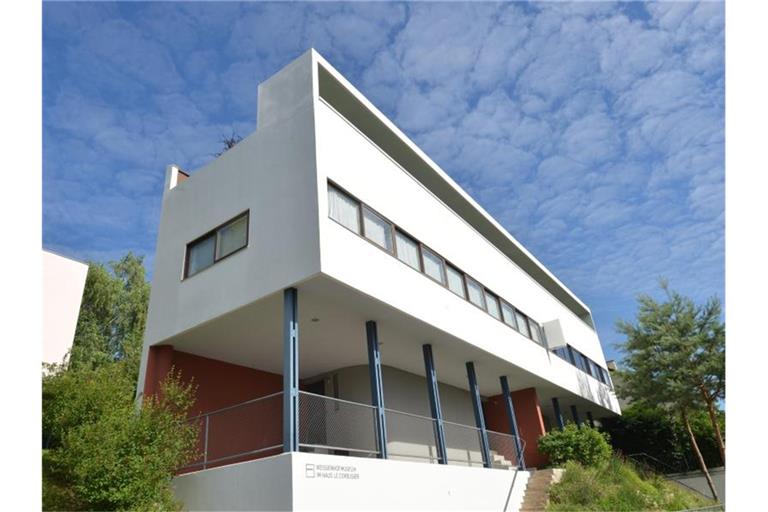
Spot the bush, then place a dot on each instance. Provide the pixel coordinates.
(655, 432)
(108, 455)
(617, 486)
(581, 444)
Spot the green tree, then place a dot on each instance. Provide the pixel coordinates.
(108, 455)
(113, 314)
(668, 351)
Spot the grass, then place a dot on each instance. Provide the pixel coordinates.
(618, 486)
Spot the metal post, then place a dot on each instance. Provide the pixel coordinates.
(377, 391)
(558, 415)
(479, 419)
(512, 420)
(205, 443)
(575, 415)
(434, 403)
(590, 419)
(290, 371)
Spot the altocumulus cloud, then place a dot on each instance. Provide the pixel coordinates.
(593, 131)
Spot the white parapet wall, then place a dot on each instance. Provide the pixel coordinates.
(308, 481)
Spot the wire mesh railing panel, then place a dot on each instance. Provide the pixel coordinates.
(410, 437)
(335, 426)
(240, 432)
(503, 450)
(462, 444)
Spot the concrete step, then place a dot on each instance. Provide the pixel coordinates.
(536, 496)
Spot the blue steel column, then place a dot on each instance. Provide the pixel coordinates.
(590, 419)
(290, 371)
(377, 391)
(558, 414)
(479, 419)
(434, 403)
(575, 415)
(512, 420)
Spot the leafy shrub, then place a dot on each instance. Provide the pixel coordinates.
(582, 444)
(617, 486)
(108, 455)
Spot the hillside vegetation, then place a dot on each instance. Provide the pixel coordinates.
(618, 486)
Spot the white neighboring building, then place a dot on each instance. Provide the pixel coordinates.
(355, 323)
(63, 285)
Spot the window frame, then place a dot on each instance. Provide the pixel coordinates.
(444, 282)
(503, 303)
(360, 223)
(413, 239)
(363, 207)
(467, 279)
(497, 300)
(396, 230)
(463, 277)
(215, 234)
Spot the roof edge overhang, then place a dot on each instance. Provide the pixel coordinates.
(343, 97)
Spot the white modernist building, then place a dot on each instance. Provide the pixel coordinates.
(63, 285)
(355, 322)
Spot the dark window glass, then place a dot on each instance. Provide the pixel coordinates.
(201, 254)
(232, 237)
(219, 243)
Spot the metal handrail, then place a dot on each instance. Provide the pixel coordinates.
(419, 416)
(336, 399)
(235, 406)
(634, 456)
(206, 429)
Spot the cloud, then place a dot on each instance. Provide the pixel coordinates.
(593, 131)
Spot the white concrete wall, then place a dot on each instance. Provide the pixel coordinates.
(264, 484)
(328, 482)
(270, 173)
(349, 159)
(63, 285)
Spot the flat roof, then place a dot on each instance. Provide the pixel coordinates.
(349, 102)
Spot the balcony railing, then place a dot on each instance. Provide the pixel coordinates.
(253, 429)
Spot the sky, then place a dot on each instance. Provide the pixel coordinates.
(594, 132)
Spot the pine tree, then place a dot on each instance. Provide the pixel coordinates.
(671, 354)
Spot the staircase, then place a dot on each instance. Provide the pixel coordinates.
(536, 495)
(498, 460)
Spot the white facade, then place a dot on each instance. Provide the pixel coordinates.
(308, 481)
(316, 129)
(63, 285)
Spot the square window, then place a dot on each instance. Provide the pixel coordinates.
(522, 324)
(455, 281)
(343, 209)
(377, 230)
(408, 250)
(475, 292)
(492, 305)
(433, 265)
(232, 237)
(201, 254)
(508, 314)
(535, 331)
